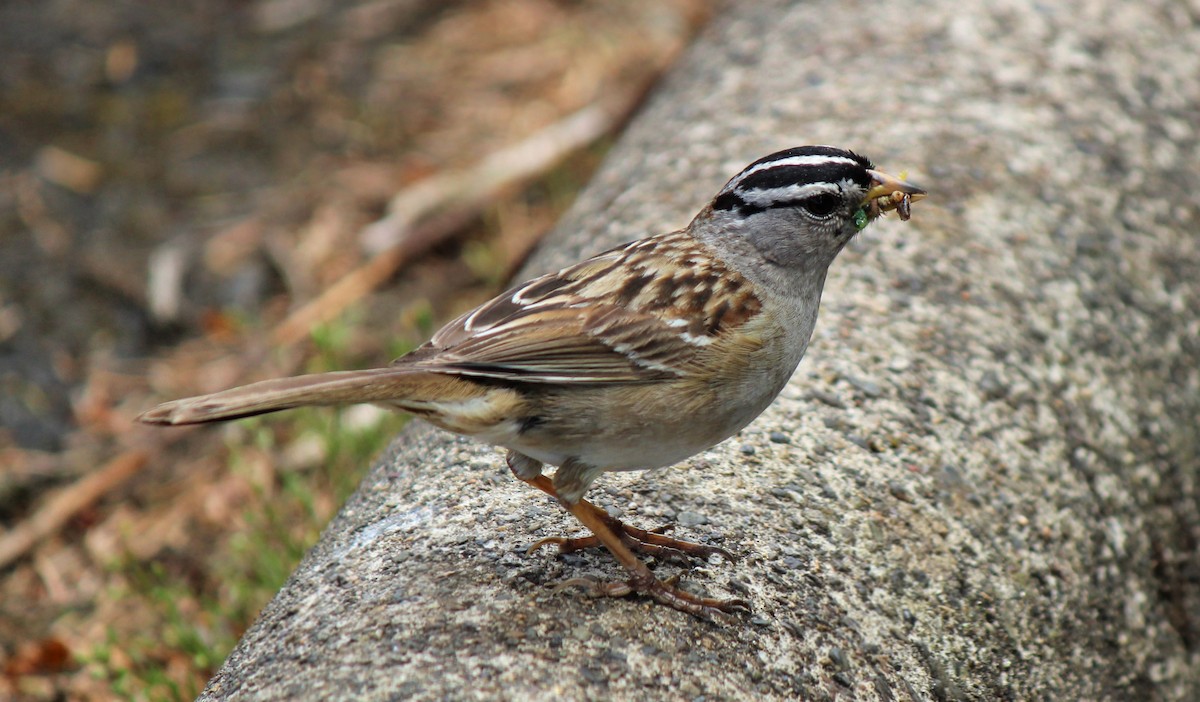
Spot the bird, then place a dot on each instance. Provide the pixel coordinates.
(636, 358)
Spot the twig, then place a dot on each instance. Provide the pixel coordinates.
(472, 186)
(362, 280)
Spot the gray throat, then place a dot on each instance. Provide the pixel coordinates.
(799, 277)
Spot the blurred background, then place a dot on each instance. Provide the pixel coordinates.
(201, 193)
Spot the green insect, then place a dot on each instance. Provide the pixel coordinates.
(860, 218)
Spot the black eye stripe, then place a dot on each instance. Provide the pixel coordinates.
(732, 201)
(820, 204)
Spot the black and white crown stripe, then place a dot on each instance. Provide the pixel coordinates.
(813, 161)
(763, 198)
(785, 178)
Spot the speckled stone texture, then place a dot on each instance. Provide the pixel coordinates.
(981, 483)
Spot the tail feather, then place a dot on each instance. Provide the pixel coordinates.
(338, 388)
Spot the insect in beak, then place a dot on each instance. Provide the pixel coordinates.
(890, 193)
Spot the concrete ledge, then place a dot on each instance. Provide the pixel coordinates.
(982, 482)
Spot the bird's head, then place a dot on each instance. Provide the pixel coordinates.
(799, 207)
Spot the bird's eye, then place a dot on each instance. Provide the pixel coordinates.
(821, 205)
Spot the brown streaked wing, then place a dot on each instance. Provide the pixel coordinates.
(517, 301)
(569, 345)
(637, 313)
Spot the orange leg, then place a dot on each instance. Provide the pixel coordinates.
(614, 536)
(648, 541)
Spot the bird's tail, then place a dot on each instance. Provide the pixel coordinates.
(339, 388)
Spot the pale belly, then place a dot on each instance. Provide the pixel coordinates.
(637, 428)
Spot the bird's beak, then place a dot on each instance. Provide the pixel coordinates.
(890, 185)
(890, 193)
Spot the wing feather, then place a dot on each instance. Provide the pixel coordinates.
(638, 313)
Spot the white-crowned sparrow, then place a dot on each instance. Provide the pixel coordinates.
(636, 358)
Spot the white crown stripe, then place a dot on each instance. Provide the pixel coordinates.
(811, 160)
(765, 198)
